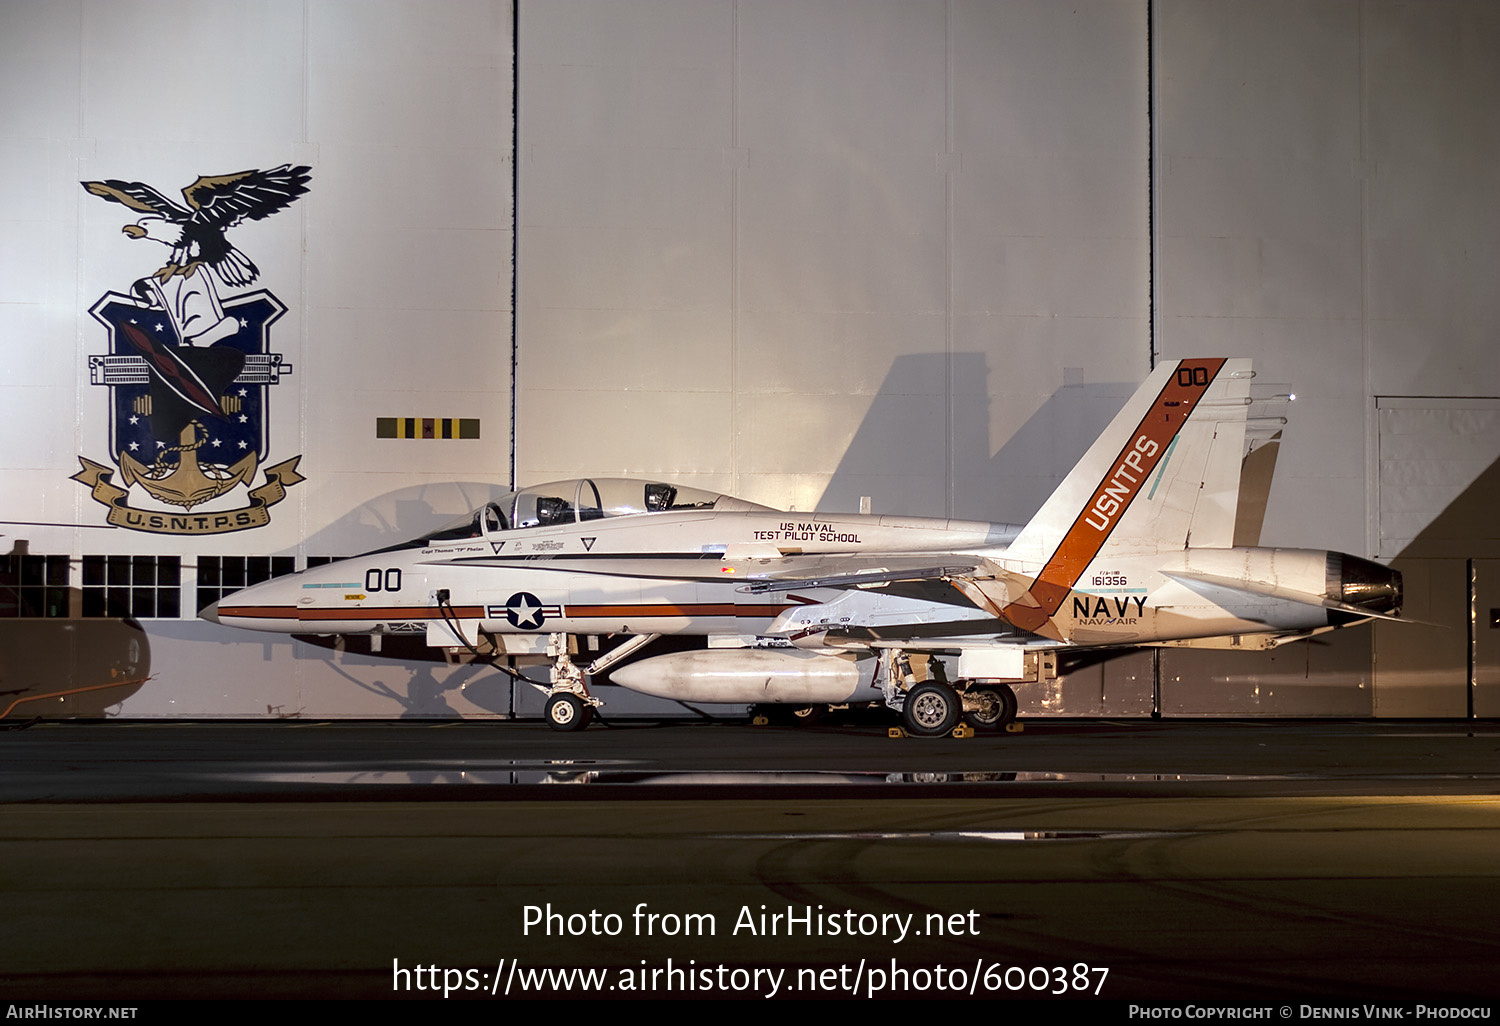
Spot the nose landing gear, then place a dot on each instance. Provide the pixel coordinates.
(567, 711)
(569, 704)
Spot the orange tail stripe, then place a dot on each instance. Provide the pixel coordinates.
(1128, 475)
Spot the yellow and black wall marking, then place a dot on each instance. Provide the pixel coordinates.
(426, 427)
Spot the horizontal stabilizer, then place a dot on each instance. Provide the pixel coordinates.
(1266, 589)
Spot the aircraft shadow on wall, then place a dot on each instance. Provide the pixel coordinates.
(907, 475)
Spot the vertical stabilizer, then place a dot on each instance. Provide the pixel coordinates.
(1163, 476)
(1257, 470)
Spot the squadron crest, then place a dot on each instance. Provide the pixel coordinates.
(188, 369)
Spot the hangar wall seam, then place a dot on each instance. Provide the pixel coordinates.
(515, 226)
(1151, 185)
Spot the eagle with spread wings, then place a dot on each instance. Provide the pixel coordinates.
(215, 203)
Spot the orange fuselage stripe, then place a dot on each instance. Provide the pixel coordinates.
(705, 609)
(372, 613)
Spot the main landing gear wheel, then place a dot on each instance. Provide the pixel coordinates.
(568, 712)
(807, 715)
(930, 710)
(997, 707)
(782, 714)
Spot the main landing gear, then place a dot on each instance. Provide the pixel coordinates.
(933, 707)
(990, 706)
(931, 710)
(789, 715)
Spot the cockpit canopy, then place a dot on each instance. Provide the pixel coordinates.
(567, 502)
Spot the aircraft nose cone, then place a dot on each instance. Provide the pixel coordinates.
(209, 612)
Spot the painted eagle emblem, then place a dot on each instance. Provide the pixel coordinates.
(214, 204)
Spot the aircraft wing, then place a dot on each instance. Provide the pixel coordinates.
(852, 572)
(949, 634)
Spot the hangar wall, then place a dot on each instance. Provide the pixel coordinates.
(393, 272)
(1325, 202)
(808, 252)
(800, 252)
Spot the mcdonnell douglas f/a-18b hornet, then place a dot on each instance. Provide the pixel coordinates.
(938, 618)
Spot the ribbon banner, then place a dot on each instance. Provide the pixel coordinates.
(97, 478)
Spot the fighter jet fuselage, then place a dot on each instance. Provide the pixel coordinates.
(936, 617)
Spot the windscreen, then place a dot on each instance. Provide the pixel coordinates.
(567, 502)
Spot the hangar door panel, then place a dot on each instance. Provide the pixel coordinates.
(1484, 644)
(1436, 476)
(1436, 484)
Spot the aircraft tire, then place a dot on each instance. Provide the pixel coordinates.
(931, 710)
(807, 715)
(998, 711)
(568, 712)
(1012, 707)
(784, 715)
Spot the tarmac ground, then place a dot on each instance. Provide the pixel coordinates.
(1233, 861)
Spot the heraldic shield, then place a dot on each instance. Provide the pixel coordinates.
(188, 427)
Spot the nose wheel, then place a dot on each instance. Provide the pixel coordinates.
(569, 705)
(566, 711)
